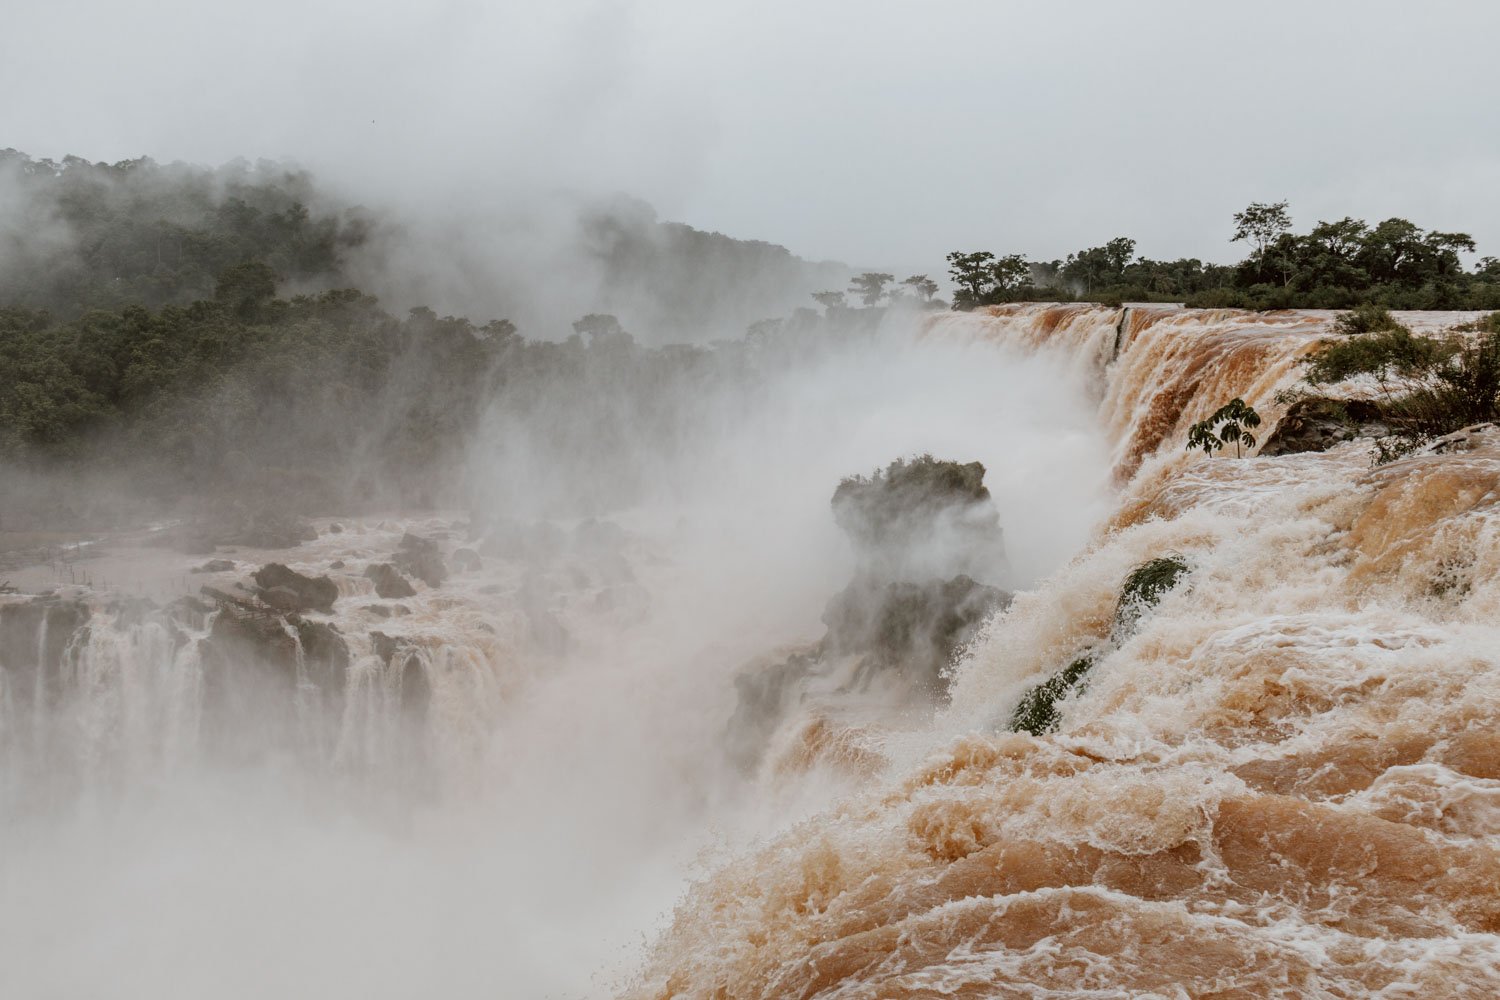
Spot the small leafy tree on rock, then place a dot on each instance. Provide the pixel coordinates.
(1229, 424)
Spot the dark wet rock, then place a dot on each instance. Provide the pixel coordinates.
(285, 588)
(246, 636)
(763, 694)
(263, 672)
(336, 564)
(33, 637)
(1037, 712)
(921, 518)
(1317, 424)
(377, 610)
(281, 598)
(215, 566)
(325, 654)
(905, 635)
(258, 634)
(335, 528)
(467, 560)
(422, 558)
(222, 597)
(191, 611)
(915, 629)
(404, 658)
(1464, 439)
(918, 526)
(389, 583)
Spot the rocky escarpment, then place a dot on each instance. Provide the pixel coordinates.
(34, 636)
(1317, 424)
(381, 648)
(919, 528)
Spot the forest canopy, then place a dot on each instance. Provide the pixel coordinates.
(1333, 265)
(196, 329)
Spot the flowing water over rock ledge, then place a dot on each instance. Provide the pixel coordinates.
(1282, 779)
(295, 652)
(1284, 783)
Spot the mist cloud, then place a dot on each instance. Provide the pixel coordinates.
(869, 133)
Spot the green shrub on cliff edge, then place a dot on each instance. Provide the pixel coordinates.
(1430, 386)
(889, 501)
(1367, 317)
(1143, 589)
(1385, 352)
(1037, 712)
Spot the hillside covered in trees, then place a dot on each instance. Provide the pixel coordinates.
(196, 331)
(77, 235)
(1333, 265)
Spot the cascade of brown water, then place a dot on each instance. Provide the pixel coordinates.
(1285, 783)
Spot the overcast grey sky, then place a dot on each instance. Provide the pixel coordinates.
(878, 133)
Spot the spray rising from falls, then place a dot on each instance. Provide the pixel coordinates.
(481, 750)
(1245, 745)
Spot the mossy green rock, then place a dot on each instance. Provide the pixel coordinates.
(1037, 711)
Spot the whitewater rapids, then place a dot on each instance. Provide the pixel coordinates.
(1285, 784)
(502, 784)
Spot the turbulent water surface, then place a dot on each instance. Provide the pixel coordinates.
(1283, 781)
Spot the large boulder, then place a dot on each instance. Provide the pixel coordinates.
(1318, 423)
(921, 518)
(325, 654)
(288, 590)
(272, 681)
(922, 529)
(422, 558)
(389, 583)
(404, 657)
(914, 629)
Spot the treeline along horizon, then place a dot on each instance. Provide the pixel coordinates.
(1334, 265)
(194, 325)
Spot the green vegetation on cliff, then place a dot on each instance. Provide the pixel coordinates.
(1037, 712)
(1427, 386)
(1334, 265)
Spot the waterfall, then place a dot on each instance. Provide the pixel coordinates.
(1277, 777)
(1284, 782)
